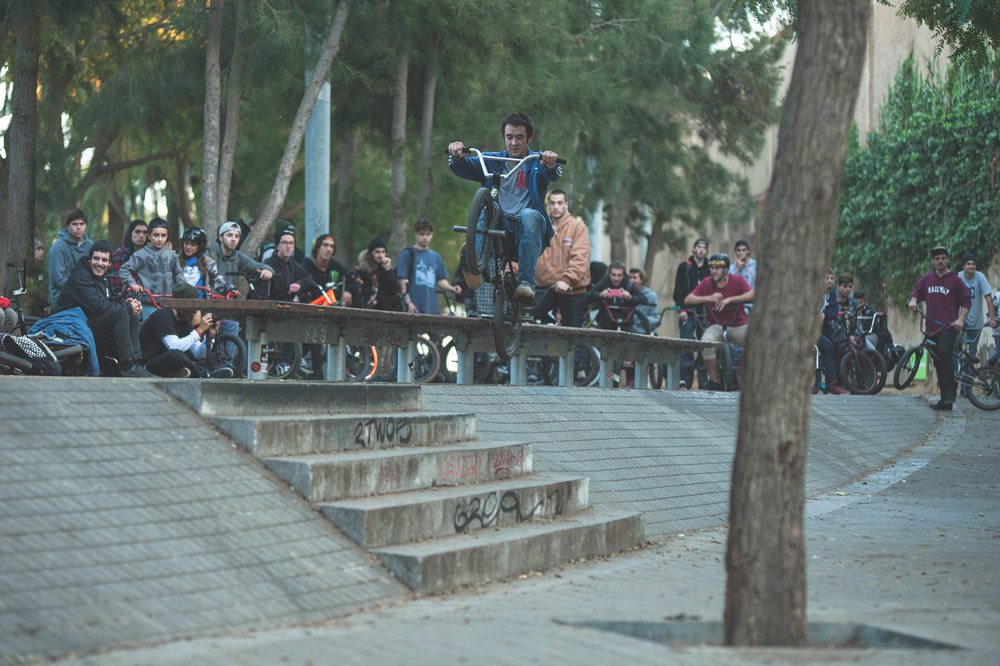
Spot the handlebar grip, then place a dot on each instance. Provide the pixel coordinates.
(560, 160)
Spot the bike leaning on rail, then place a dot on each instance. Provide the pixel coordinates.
(492, 252)
(980, 385)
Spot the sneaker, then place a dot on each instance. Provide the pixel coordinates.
(222, 372)
(473, 281)
(836, 389)
(713, 386)
(179, 373)
(682, 384)
(942, 405)
(525, 293)
(137, 370)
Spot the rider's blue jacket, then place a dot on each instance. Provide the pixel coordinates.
(539, 177)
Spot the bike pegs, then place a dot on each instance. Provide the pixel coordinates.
(460, 230)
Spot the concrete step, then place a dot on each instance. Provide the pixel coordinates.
(441, 512)
(440, 564)
(339, 476)
(273, 436)
(245, 398)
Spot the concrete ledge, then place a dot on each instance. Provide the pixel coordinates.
(405, 517)
(245, 398)
(431, 566)
(344, 475)
(273, 436)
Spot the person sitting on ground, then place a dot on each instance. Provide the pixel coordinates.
(115, 324)
(421, 272)
(72, 244)
(173, 340)
(232, 262)
(616, 292)
(153, 267)
(380, 288)
(723, 295)
(651, 308)
(290, 278)
(325, 270)
(135, 238)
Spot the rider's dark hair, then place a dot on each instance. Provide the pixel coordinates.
(551, 192)
(518, 120)
(638, 271)
(423, 224)
(742, 243)
(73, 215)
(846, 278)
(616, 264)
(319, 243)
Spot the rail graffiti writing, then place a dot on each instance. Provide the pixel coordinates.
(385, 430)
(458, 467)
(372, 335)
(485, 511)
(508, 462)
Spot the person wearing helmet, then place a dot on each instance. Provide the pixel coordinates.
(199, 269)
(723, 295)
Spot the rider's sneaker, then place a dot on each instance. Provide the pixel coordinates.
(473, 281)
(942, 405)
(179, 373)
(525, 293)
(713, 386)
(836, 389)
(222, 372)
(137, 370)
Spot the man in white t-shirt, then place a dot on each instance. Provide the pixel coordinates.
(979, 292)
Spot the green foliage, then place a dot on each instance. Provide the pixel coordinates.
(928, 175)
(971, 28)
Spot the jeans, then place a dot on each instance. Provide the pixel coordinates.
(827, 360)
(944, 363)
(528, 228)
(117, 331)
(687, 358)
(171, 360)
(571, 308)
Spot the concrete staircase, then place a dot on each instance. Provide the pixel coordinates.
(416, 489)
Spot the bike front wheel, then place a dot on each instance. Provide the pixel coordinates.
(231, 350)
(283, 359)
(482, 206)
(907, 368)
(984, 389)
(506, 323)
(859, 373)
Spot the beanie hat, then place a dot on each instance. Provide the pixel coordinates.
(229, 226)
(965, 257)
(282, 233)
(184, 290)
(99, 246)
(378, 241)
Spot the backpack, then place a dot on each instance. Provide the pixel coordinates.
(38, 356)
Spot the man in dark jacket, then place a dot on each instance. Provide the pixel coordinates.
(689, 274)
(115, 325)
(290, 278)
(619, 293)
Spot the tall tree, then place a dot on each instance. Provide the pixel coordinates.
(397, 191)
(765, 554)
(209, 212)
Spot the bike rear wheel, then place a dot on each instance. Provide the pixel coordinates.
(907, 368)
(361, 364)
(232, 350)
(727, 368)
(482, 205)
(506, 322)
(283, 359)
(859, 372)
(881, 370)
(427, 363)
(984, 389)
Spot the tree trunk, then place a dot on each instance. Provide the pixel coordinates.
(342, 216)
(765, 556)
(397, 194)
(331, 46)
(21, 140)
(118, 219)
(233, 98)
(213, 103)
(654, 243)
(426, 129)
(616, 226)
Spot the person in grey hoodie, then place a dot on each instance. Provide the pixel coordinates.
(72, 244)
(153, 267)
(232, 262)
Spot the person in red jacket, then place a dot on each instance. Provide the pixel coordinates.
(947, 300)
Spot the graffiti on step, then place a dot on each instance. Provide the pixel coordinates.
(485, 511)
(508, 462)
(458, 467)
(372, 334)
(383, 430)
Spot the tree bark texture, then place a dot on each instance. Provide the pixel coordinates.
(426, 130)
(765, 556)
(234, 96)
(331, 45)
(213, 104)
(21, 138)
(343, 230)
(655, 242)
(616, 225)
(397, 193)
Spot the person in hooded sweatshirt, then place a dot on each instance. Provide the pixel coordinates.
(290, 278)
(135, 238)
(153, 267)
(72, 244)
(115, 325)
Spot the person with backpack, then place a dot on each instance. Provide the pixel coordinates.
(420, 271)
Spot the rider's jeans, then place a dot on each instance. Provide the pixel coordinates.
(713, 333)
(687, 358)
(827, 359)
(527, 227)
(944, 363)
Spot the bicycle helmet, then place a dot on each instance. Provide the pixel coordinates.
(196, 236)
(720, 260)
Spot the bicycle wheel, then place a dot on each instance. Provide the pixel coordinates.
(427, 362)
(283, 359)
(506, 323)
(591, 370)
(232, 350)
(482, 204)
(881, 370)
(858, 372)
(727, 368)
(907, 368)
(984, 389)
(359, 363)
(449, 361)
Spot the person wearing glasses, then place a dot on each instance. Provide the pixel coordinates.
(290, 279)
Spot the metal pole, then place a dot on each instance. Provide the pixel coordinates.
(317, 164)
